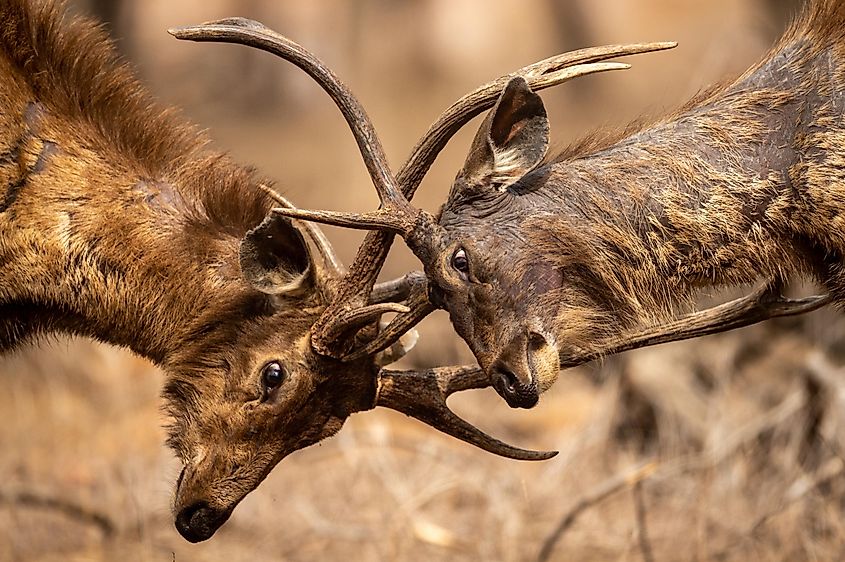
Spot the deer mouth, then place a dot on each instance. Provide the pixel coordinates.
(526, 368)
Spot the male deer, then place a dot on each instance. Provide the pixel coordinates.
(117, 222)
(543, 262)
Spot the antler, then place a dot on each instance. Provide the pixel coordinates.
(396, 215)
(419, 394)
(763, 304)
(423, 394)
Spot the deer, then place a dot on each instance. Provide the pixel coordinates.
(119, 222)
(546, 260)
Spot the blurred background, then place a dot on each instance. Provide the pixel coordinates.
(723, 448)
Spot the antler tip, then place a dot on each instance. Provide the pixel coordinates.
(546, 455)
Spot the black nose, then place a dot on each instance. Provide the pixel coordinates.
(516, 394)
(198, 522)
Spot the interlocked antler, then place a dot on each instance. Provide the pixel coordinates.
(423, 394)
(352, 306)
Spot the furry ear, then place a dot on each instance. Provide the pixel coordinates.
(511, 141)
(274, 257)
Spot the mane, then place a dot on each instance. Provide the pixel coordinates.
(819, 25)
(73, 69)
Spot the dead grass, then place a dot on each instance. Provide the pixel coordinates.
(735, 457)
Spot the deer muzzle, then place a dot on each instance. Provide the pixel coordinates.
(525, 368)
(199, 521)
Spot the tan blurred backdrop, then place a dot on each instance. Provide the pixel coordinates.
(740, 430)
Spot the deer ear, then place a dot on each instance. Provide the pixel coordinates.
(274, 257)
(512, 140)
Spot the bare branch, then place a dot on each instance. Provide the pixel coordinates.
(594, 496)
(640, 516)
(69, 509)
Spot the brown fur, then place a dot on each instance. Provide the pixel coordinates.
(747, 180)
(117, 222)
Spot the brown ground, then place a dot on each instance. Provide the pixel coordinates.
(726, 448)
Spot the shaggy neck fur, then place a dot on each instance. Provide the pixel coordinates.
(736, 186)
(116, 221)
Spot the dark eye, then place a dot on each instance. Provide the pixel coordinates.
(460, 262)
(272, 375)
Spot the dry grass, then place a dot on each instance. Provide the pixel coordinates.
(727, 448)
(731, 453)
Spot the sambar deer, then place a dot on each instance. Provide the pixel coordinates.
(545, 261)
(118, 222)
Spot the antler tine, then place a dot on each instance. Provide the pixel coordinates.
(254, 34)
(423, 156)
(354, 291)
(401, 289)
(419, 309)
(763, 304)
(540, 75)
(423, 394)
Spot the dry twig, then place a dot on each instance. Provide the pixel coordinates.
(640, 512)
(69, 509)
(596, 495)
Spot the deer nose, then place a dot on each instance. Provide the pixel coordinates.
(517, 394)
(198, 522)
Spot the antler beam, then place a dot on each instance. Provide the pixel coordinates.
(763, 304)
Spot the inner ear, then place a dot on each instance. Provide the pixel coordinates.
(519, 109)
(512, 140)
(274, 257)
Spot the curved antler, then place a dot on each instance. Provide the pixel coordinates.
(251, 33)
(422, 395)
(350, 307)
(764, 303)
(402, 219)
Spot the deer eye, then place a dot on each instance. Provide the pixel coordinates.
(272, 375)
(460, 262)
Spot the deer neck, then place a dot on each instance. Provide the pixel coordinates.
(709, 197)
(94, 244)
